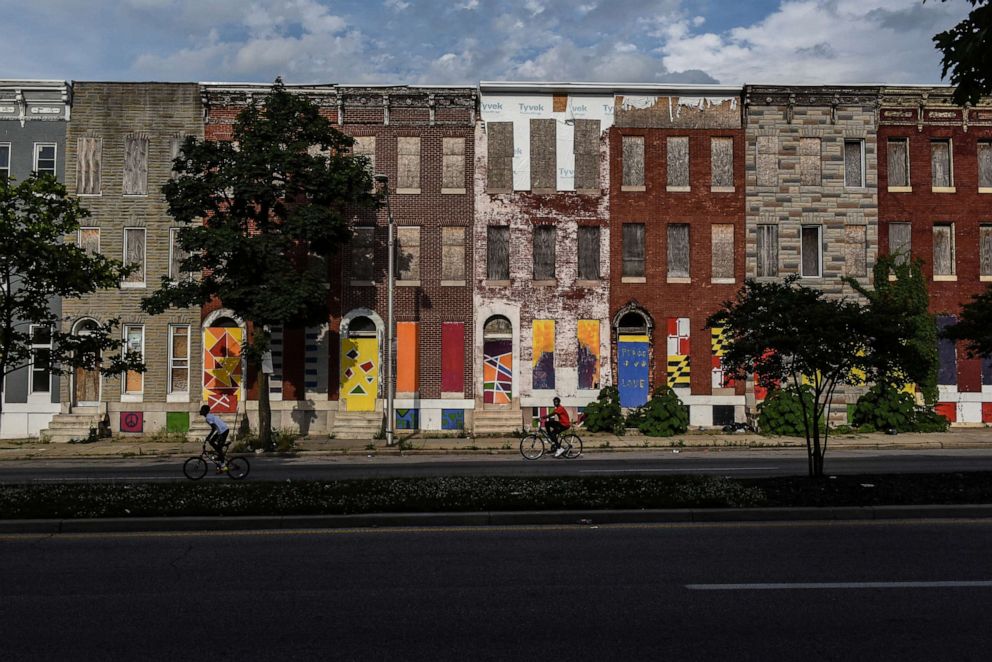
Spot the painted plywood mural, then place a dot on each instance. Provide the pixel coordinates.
(544, 354)
(222, 372)
(497, 372)
(718, 344)
(588, 358)
(678, 352)
(632, 369)
(359, 373)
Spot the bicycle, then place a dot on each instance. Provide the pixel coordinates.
(536, 444)
(195, 468)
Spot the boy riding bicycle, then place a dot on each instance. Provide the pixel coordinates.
(556, 427)
(218, 434)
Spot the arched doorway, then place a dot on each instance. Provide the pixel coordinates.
(360, 365)
(633, 357)
(86, 381)
(497, 362)
(223, 374)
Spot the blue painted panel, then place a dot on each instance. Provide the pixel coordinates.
(452, 419)
(632, 365)
(407, 419)
(947, 367)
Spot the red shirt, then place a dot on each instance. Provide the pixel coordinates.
(562, 416)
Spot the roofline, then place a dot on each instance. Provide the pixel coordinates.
(606, 88)
(33, 82)
(335, 86)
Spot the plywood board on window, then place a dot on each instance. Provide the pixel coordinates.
(678, 161)
(723, 250)
(543, 154)
(722, 162)
(499, 172)
(855, 250)
(633, 161)
(586, 148)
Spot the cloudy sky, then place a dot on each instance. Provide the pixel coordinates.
(464, 41)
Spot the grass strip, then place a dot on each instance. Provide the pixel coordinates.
(467, 494)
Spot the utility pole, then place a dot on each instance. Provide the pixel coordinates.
(391, 244)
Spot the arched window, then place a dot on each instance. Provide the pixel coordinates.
(496, 327)
(633, 323)
(361, 327)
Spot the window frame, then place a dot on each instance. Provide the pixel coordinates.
(126, 284)
(34, 395)
(988, 144)
(410, 190)
(632, 139)
(503, 230)
(414, 279)
(952, 244)
(908, 255)
(642, 260)
(722, 188)
(584, 230)
(983, 230)
(172, 394)
(678, 277)
(669, 186)
(173, 234)
(771, 270)
(950, 188)
(732, 278)
(898, 188)
(127, 395)
(137, 138)
(99, 236)
(55, 157)
(5, 170)
(861, 148)
(819, 250)
(448, 231)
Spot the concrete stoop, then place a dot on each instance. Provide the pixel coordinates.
(357, 424)
(198, 428)
(496, 421)
(67, 427)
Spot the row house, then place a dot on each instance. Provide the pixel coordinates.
(935, 203)
(33, 116)
(677, 220)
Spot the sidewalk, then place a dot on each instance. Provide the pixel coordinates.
(416, 445)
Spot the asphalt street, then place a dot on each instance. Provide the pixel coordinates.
(749, 463)
(902, 591)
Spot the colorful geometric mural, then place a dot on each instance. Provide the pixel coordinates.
(132, 421)
(497, 372)
(359, 373)
(222, 368)
(452, 419)
(718, 344)
(678, 352)
(632, 370)
(407, 419)
(588, 359)
(544, 354)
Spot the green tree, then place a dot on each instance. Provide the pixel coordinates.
(37, 265)
(967, 53)
(261, 216)
(974, 325)
(785, 332)
(901, 330)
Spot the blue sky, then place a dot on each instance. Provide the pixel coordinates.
(464, 41)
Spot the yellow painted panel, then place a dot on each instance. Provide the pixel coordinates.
(359, 373)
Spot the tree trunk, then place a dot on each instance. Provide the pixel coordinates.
(264, 410)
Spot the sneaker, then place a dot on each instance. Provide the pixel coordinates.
(559, 452)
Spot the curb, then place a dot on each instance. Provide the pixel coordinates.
(491, 518)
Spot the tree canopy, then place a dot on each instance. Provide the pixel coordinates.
(967, 53)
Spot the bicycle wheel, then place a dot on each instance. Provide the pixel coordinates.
(573, 444)
(532, 447)
(238, 468)
(195, 468)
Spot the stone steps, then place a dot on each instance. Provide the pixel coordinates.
(496, 421)
(357, 424)
(64, 428)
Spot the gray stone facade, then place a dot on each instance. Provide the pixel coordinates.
(137, 124)
(33, 117)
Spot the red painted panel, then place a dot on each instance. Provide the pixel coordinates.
(987, 412)
(453, 357)
(969, 374)
(948, 410)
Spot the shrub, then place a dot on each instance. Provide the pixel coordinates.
(604, 414)
(883, 407)
(664, 415)
(285, 440)
(781, 413)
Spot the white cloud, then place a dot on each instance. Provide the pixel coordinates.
(397, 5)
(469, 5)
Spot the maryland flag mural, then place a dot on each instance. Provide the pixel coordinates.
(678, 352)
(718, 345)
(222, 368)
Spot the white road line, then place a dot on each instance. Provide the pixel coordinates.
(89, 479)
(673, 470)
(836, 585)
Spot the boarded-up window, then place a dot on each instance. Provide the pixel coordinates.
(452, 357)
(897, 155)
(499, 174)
(88, 154)
(723, 251)
(767, 250)
(940, 163)
(453, 254)
(678, 250)
(678, 162)
(363, 254)
(543, 155)
(408, 164)
(985, 249)
(809, 162)
(854, 163)
(176, 141)
(588, 252)
(544, 252)
(89, 240)
(408, 252)
(633, 161)
(633, 249)
(176, 257)
(134, 343)
(586, 155)
(365, 146)
(900, 241)
(498, 252)
(810, 265)
(134, 255)
(766, 160)
(453, 165)
(722, 162)
(855, 247)
(407, 357)
(943, 249)
(985, 164)
(178, 359)
(135, 164)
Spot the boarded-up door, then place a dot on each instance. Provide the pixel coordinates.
(497, 371)
(86, 386)
(632, 369)
(359, 373)
(222, 373)
(453, 357)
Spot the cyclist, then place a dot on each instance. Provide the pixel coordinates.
(218, 434)
(556, 427)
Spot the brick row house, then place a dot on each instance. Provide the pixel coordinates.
(935, 203)
(677, 219)
(33, 117)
